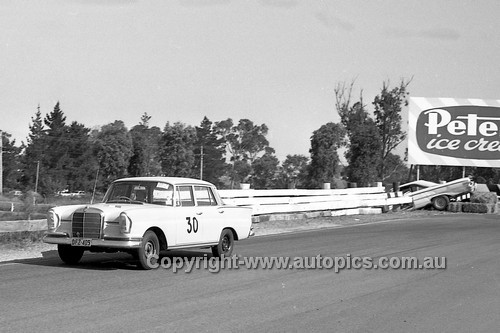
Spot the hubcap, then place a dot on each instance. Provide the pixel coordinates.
(149, 249)
(225, 244)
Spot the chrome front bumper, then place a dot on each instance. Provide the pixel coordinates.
(106, 242)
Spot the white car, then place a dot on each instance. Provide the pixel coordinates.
(425, 193)
(144, 215)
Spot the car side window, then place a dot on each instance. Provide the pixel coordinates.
(186, 196)
(204, 196)
(163, 194)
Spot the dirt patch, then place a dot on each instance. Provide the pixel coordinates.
(28, 248)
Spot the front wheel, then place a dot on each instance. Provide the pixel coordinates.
(441, 202)
(225, 246)
(70, 255)
(149, 252)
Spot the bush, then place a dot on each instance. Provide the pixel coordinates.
(481, 208)
(484, 197)
(455, 207)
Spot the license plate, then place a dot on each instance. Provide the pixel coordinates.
(81, 242)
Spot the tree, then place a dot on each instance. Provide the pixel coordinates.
(363, 155)
(113, 148)
(210, 149)
(82, 165)
(244, 142)
(177, 150)
(145, 140)
(325, 162)
(363, 141)
(265, 170)
(55, 160)
(10, 166)
(294, 171)
(388, 106)
(34, 150)
(396, 169)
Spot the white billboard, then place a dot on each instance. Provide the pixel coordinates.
(449, 131)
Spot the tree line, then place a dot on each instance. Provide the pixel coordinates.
(59, 156)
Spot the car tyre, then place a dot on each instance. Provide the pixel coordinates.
(225, 246)
(150, 247)
(70, 255)
(441, 202)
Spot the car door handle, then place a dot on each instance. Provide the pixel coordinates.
(221, 211)
(199, 213)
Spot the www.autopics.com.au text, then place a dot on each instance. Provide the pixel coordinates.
(337, 264)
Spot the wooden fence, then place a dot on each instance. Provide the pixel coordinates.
(275, 203)
(294, 201)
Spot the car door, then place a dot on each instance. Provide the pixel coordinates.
(207, 210)
(190, 222)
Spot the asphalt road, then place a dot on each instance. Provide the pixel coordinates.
(107, 293)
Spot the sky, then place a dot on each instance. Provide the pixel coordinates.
(275, 62)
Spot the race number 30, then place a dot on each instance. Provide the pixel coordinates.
(192, 225)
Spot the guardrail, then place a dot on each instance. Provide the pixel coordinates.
(268, 202)
(295, 201)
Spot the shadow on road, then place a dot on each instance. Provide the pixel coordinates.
(106, 261)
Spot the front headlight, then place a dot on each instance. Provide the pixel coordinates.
(125, 223)
(53, 220)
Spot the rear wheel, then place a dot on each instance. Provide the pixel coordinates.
(441, 202)
(70, 255)
(149, 252)
(225, 246)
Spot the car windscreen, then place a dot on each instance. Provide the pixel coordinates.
(140, 192)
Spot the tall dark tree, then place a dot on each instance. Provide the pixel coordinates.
(113, 149)
(388, 107)
(363, 154)
(146, 140)
(177, 150)
(244, 143)
(209, 153)
(325, 162)
(294, 171)
(83, 165)
(34, 150)
(11, 174)
(363, 139)
(55, 160)
(265, 170)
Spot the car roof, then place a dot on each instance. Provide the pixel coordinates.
(170, 180)
(423, 183)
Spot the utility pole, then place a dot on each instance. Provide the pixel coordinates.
(37, 172)
(1, 163)
(201, 163)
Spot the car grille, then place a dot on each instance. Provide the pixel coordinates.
(86, 225)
